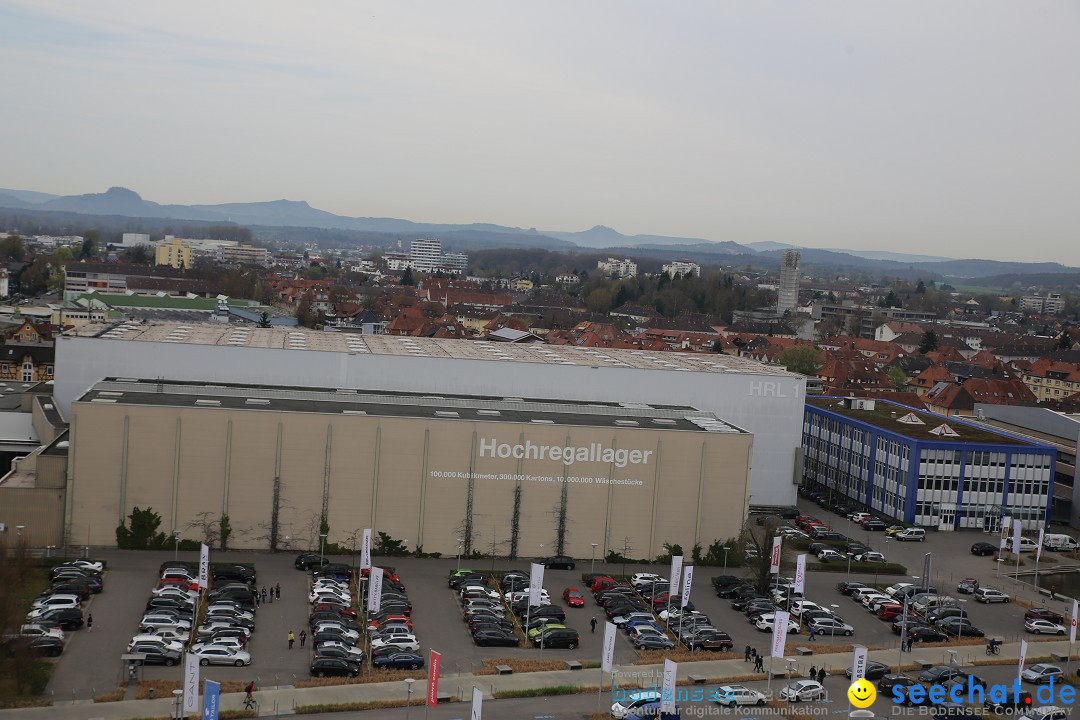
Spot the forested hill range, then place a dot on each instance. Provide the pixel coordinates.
(288, 222)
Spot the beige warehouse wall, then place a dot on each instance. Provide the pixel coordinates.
(229, 459)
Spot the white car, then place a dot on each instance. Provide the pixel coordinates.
(892, 590)
(224, 609)
(827, 626)
(92, 565)
(620, 620)
(1026, 545)
(168, 634)
(339, 629)
(156, 620)
(34, 630)
(355, 654)
(407, 643)
(642, 630)
(318, 594)
(175, 645)
(633, 700)
(221, 655)
(646, 579)
(209, 628)
(228, 642)
(732, 695)
(800, 606)
(477, 589)
(1044, 627)
(828, 555)
(765, 624)
(871, 556)
(519, 594)
(802, 691)
(57, 601)
(868, 599)
(175, 591)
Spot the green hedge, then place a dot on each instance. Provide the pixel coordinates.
(862, 567)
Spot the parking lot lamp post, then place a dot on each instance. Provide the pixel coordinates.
(176, 545)
(725, 559)
(459, 544)
(848, 567)
(177, 706)
(20, 528)
(322, 543)
(408, 695)
(592, 563)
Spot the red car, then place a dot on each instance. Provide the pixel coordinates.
(890, 611)
(573, 598)
(343, 609)
(376, 624)
(602, 581)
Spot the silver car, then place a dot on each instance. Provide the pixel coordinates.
(222, 655)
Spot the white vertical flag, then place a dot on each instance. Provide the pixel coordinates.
(477, 704)
(536, 583)
(204, 566)
(688, 580)
(779, 635)
(858, 663)
(1016, 536)
(607, 661)
(1038, 550)
(374, 590)
(1023, 656)
(1072, 624)
(667, 693)
(676, 570)
(365, 549)
(774, 560)
(800, 574)
(191, 683)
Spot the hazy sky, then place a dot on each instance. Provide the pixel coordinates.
(949, 128)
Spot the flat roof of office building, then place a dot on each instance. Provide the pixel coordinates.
(171, 393)
(243, 336)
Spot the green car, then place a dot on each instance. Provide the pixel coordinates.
(534, 632)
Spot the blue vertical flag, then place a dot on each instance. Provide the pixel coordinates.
(211, 695)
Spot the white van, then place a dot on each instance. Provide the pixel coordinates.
(631, 700)
(1055, 541)
(916, 534)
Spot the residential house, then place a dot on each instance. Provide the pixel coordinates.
(959, 399)
(1049, 379)
(175, 253)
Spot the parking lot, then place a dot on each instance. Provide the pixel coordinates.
(91, 662)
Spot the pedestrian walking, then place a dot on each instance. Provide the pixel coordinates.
(264, 593)
(278, 591)
(249, 698)
(813, 671)
(812, 638)
(89, 623)
(746, 654)
(271, 600)
(1053, 592)
(759, 664)
(303, 637)
(292, 639)
(909, 642)
(592, 624)
(821, 675)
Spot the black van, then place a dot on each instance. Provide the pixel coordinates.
(233, 573)
(66, 618)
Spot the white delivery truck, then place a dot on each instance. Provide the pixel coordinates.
(1060, 542)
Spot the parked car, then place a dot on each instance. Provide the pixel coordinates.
(573, 597)
(828, 626)
(557, 637)
(403, 660)
(341, 652)
(911, 535)
(732, 695)
(333, 667)
(306, 561)
(633, 700)
(47, 645)
(64, 618)
(874, 670)
(803, 690)
(1042, 673)
(939, 674)
(559, 562)
(983, 549)
(653, 642)
(990, 595)
(496, 638)
(1044, 614)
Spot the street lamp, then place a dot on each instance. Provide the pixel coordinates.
(460, 542)
(322, 543)
(20, 528)
(408, 696)
(592, 563)
(725, 558)
(178, 711)
(176, 544)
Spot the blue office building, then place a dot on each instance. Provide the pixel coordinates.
(923, 468)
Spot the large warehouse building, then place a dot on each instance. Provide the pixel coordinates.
(764, 400)
(518, 476)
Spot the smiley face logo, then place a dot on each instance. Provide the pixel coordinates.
(862, 694)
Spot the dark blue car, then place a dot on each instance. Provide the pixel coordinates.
(402, 660)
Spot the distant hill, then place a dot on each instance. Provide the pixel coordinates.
(11, 201)
(601, 236)
(30, 196)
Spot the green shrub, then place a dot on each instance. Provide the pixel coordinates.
(862, 567)
(540, 692)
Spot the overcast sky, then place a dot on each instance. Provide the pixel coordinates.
(949, 128)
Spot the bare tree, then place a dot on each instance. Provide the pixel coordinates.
(208, 526)
(757, 543)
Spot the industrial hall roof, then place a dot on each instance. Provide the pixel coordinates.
(171, 393)
(304, 339)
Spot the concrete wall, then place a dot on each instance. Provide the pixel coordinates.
(770, 406)
(408, 477)
(40, 510)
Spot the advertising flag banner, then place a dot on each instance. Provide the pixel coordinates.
(433, 679)
(800, 574)
(1006, 527)
(365, 549)
(191, 683)
(774, 559)
(1023, 656)
(858, 663)
(1038, 550)
(676, 570)
(1004, 542)
(536, 583)
(927, 564)
(477, 704)
(374, 592)
(211, 698)
(779, 634)
(204, 566)
(1072, 624)
(688, 580)
(667, 693)
(607, 661)
(1016, 536)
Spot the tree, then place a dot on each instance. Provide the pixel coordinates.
(803, 359)
(140, 533)
(139, 255)
(224, 531)
(12, 248)
(88, 249)
(388, 546)
(304, 314)
(407, 277)
(929, 342)
(920, 287)
(892, 300)
(898, 377)
(1065, 340)
(757, 547)
(264, 319)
